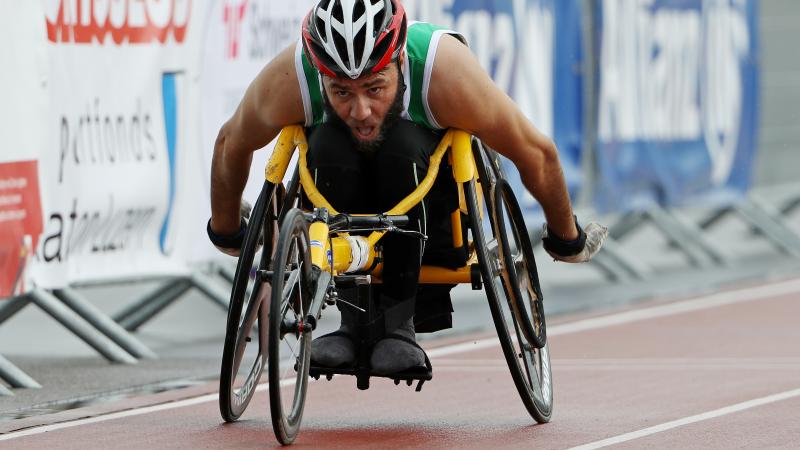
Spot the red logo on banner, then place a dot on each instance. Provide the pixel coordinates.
(20, 216)
(126, 21)
(233, 16)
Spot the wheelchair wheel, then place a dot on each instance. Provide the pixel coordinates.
(517, 265)
(289, 336)
(529, 365)
(244, 351)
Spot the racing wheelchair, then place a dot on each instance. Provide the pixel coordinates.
(293, 262)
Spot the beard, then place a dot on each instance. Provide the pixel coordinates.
(391, 118)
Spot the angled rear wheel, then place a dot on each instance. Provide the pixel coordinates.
(512, 289)
(245, 348)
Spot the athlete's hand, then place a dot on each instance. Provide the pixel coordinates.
(231, 244)
(580, 250)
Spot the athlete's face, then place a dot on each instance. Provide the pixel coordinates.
(363, 104)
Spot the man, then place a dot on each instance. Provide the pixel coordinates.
(375, 92)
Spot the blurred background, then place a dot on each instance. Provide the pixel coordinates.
(676, 121)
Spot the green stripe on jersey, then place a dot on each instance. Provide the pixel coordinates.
(312, 81)
(417, 46)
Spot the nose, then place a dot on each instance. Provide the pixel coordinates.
(360, 109)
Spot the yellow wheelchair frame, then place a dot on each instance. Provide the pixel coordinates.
(277, 298)
(461, 159)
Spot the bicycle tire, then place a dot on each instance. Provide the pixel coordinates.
(292, 285)
(245, 309)
(532, 377)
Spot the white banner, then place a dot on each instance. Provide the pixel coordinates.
(23, 122)
(109, 167)
(23, 80)
(241, 37)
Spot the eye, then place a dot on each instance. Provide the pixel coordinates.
(375, 90)
(342, 93)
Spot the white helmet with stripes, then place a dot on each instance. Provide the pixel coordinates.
(349, 38)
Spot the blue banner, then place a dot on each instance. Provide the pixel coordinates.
(532, 49)
(677, 99)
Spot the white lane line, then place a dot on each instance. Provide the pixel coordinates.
(112, 416)
(689, 420)
(705, 302)
(694, 304)
(122, 414)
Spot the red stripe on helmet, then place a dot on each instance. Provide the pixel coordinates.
(393, 29)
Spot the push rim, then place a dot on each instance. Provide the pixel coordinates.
(518, 266)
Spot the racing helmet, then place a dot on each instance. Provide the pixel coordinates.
(348, 38)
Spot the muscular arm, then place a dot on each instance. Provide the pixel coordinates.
(464, 96)
(271, 102)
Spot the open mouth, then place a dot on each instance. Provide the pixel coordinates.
(364, 133)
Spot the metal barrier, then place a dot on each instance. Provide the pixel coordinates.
(110, 337)
(113, 338)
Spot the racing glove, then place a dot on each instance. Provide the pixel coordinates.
(578, 250)
(231, 244)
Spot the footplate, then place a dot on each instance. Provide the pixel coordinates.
(364, 374)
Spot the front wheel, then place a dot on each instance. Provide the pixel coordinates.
(289, 334)
(529, 365)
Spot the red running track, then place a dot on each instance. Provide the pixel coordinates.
(718, 371)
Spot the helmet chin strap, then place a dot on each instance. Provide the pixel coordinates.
(401, 76)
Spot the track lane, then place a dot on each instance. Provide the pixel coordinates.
(609, 381)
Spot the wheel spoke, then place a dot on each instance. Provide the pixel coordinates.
(296, 357)
(288, 289)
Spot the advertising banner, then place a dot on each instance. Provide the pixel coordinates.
(20, 221)
(108, 168)
(23, 90)
(677, 101)
(532, 49)
(241, 37)
(515, 40)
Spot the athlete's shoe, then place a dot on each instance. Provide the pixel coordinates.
(336, 349)
(398, 352)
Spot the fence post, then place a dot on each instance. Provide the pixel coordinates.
(770, 223)
(790, 206)
(12, 306)
(138, 305)
(104, 323)
(152, 305)
(79, 327)
(15, 377)
(215, 293)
